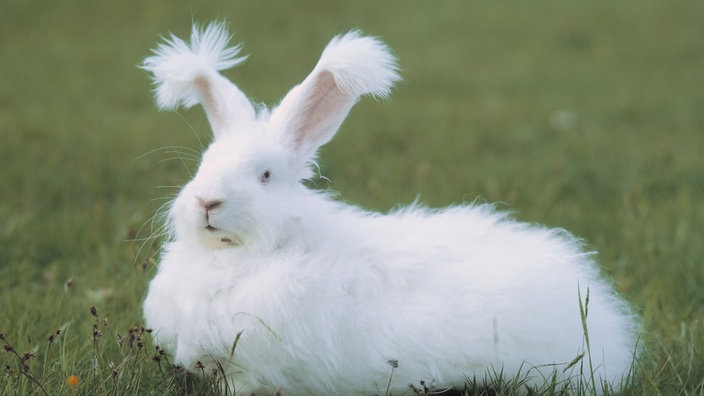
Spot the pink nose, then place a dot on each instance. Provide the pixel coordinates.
(209, 205)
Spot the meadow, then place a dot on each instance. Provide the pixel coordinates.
(583, 115)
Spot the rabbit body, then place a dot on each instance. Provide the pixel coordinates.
(326, 298)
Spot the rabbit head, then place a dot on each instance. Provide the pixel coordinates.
(248, 189)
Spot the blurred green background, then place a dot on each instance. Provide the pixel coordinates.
(575, 114)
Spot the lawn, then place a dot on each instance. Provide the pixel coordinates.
(582, 115)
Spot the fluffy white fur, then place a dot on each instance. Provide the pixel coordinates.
(324, 294)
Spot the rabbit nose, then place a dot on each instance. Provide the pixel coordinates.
(209, 205)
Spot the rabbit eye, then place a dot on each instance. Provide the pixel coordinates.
(264, 178)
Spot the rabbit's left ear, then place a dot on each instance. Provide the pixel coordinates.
(350, 66)
(187, 74)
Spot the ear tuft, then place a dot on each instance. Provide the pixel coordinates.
(350, 66)
(360, 65)
(176, 65)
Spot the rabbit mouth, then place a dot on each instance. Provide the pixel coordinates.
(222, 241)
(220, 237)
(230, 241)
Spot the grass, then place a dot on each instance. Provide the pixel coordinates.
(582, 115)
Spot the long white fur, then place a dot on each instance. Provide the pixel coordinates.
(175, 64)
(361, 65)
(325, 295)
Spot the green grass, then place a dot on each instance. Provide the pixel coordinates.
(582, 115)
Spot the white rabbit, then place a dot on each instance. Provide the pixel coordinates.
(324, 295)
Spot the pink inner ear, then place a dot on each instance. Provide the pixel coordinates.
(324, 108)
(209, 103)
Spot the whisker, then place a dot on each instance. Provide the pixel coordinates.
(168, 186)
(180, 159)
(193, 130)
(173, 148)
(158, 226)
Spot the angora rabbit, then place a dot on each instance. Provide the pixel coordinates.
(327, 298)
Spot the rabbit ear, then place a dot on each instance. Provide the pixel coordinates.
(350, 66)
(187, 74)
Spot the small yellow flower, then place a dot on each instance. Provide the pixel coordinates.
(73, 381)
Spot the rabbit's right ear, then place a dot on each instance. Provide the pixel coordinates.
(187, 74)
(350, 66)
